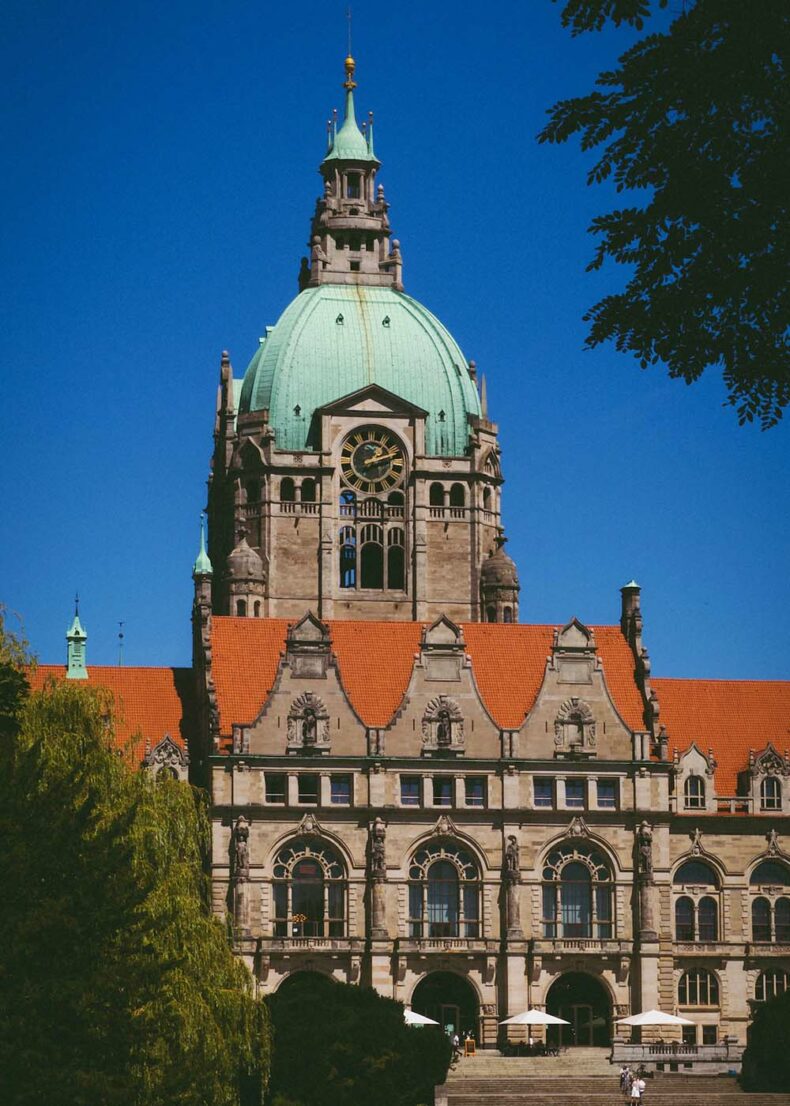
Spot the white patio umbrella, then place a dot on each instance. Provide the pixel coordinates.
(411, 1017)
(534, 1017)
(654, 1017)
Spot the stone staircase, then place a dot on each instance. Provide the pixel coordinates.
(581, 1077)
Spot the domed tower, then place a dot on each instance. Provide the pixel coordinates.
(355, 460)
(499, 586)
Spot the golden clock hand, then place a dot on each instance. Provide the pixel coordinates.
(379, 457)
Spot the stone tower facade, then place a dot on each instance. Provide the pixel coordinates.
(355, 470)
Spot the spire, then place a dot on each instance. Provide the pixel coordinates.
(75, 647)
(349, 143)
(202, 566)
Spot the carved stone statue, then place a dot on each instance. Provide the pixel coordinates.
(644, 839)
(444, 732)
(511, 865)
(773, 841)
(378, 859)
(696, 842)
(309, 727)
(241, 848)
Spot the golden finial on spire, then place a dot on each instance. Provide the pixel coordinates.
(350, 67)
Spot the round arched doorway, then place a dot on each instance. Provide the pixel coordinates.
(583, 1002)
(450, 1000)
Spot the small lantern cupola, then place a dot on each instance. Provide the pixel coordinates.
(350, 232)
(499, 586)
(76, 637)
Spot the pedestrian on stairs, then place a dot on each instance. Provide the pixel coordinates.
(624, 1073)
(637, 1089)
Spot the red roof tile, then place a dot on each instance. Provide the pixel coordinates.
(728, 716)
(151, 702)
(376, 658)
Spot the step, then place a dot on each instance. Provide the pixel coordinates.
(512, 1098)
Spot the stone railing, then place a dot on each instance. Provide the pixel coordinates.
(606, 945)
(723, 1056)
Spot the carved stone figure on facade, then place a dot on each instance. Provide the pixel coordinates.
(443, 724)
(444, 734)
(241, 848)
(308, 724)
(378, 859)
(511, 865)
(696, 842)
(309, 727)
(644, 838)
(772, 838)
(574, 727)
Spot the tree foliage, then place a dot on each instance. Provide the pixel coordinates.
(342, 1045)
(695, 119)
(766, 1061)
(116, 985)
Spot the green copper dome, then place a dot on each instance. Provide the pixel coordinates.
(334, 339)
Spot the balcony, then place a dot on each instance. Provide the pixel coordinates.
(311, 944)
(707, 948)
(582, 946)
(674, 1056)
(469, 945)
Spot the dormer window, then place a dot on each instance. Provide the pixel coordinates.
(770, 794)
(353, 186)
(694, 793)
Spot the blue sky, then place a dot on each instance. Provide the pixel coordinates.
(161, 178)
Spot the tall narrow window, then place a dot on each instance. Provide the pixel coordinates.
(457, 495)
(287, 490)
(761, 920)
(352, 186)
(694, 793)
(371, 557)
(708, 919)
(782, 921)
(241, 608)
(395, 560)
(308, 490)
(436, 495)
(771, 794)
(348, 557)
(684, 919)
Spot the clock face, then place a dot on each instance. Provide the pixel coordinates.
(372, 460)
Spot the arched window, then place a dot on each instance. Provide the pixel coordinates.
(697, 873)
(395, 499)
(353, 191)
(698, 987)
(486, 499)
(444, 892)
(507, 614)
(348, 557)
(694, 793)
(257, 608)
(371, 557)
(490, 614)
(436, 495)
(253, 491)
(308, 490)
(771, 983)
(684, 919)
(241, 608)
(577, 893)
(708, 919)
(395, 560)
(770, 873)
(309, 889)
(761, 920)
(782, 921)
(770, 794)
(348, 504)
(287, 490)
(457, 495)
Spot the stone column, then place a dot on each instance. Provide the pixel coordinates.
(378, 876)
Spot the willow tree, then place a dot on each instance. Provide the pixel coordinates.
(116, 984)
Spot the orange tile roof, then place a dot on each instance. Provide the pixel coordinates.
(151, 702)
(729, 716)
(375, 661)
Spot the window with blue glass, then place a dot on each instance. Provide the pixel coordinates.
(607, 794)
(544, 792)
(574, 792)
(444, 893)
(577, 893)
(475, 790)
(340, 790)
(410, 791)
(443, 790)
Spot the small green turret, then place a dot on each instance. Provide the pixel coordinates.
(76, 638)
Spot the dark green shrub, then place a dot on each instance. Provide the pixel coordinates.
(341, 1045)
(766, 1061)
